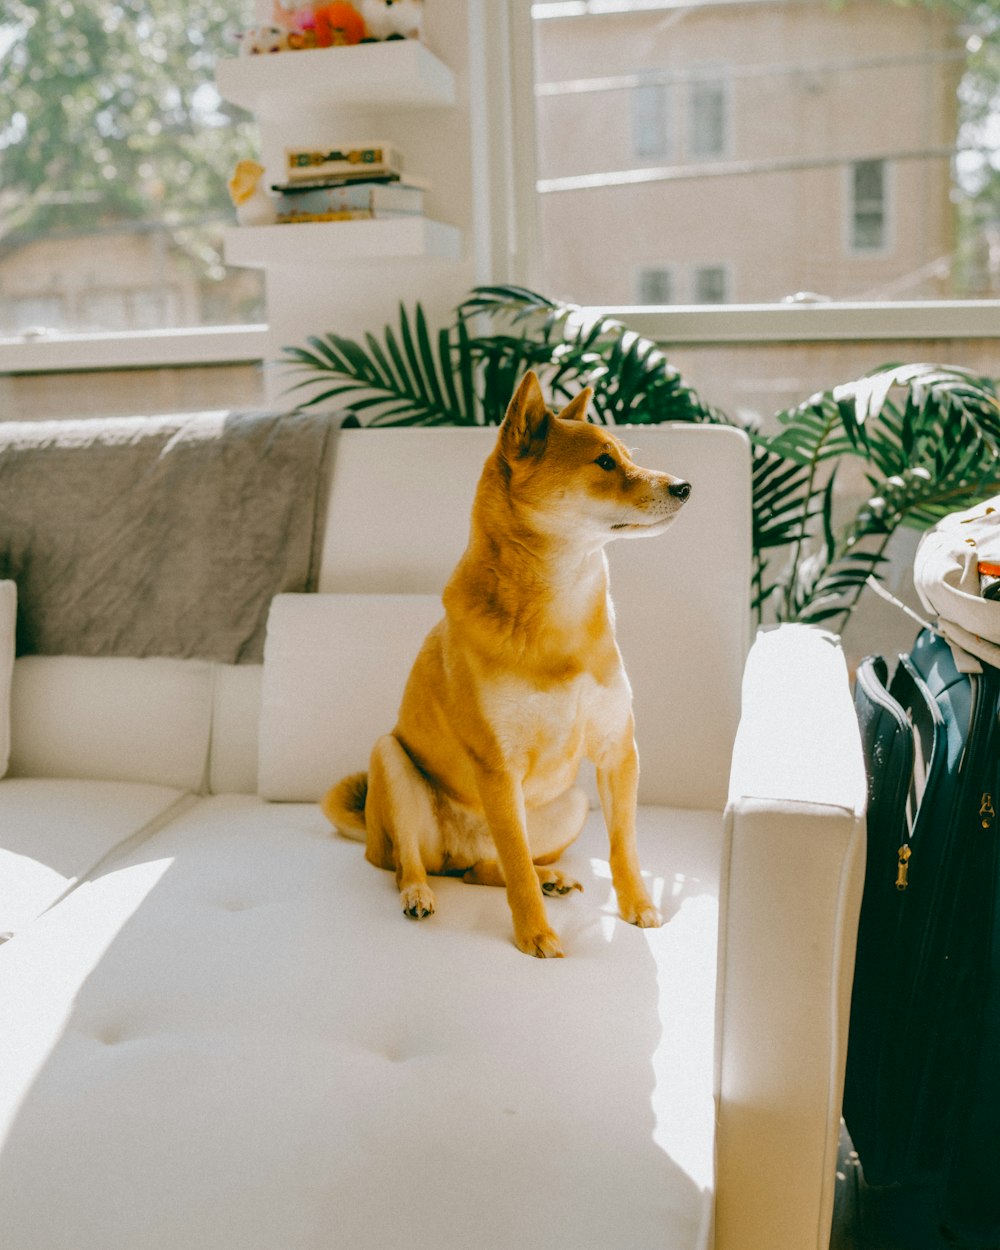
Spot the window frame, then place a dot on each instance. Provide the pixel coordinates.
(136, 349)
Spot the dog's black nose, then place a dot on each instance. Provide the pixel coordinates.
(680, 490)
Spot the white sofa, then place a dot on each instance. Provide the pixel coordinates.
(219, 1031)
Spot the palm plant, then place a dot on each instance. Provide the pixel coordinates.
(927, 437)
(466, 374)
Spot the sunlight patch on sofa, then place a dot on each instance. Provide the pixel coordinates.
(42, 1013)
(684, 1060)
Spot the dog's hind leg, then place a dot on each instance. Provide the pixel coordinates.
(552, 828)
(399, 811)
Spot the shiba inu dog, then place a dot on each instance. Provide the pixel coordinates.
(520, 681)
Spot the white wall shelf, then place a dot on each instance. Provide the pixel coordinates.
(375, 75)
(312, 243)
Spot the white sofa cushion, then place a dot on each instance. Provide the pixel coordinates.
(8, 624)
(243, 1044)
(146, 721)
(334, 671)
(53, 832)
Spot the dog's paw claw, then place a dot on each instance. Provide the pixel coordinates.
(543, 945)
(418, 902)
(555, 884)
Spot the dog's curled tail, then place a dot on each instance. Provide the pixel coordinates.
(344, 806)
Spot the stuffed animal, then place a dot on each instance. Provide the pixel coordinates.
(262, 39)
(320, 25)
(393, 19)
(254, 207)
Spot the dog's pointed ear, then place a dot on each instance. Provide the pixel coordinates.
(576, 409)
(526, 425)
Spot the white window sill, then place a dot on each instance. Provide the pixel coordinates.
(813, 323)
(147, 349)
(673, 324)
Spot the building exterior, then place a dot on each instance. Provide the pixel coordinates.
(126, 277)
(746, 151)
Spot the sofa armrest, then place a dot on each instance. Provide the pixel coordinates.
(793, 873)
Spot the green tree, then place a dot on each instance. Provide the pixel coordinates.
(977, 166)
(108, 113)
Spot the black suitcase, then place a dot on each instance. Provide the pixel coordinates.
(921, 1094)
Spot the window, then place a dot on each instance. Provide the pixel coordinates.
(655, 286)
(786, 131)
(710, 284)
(650, 120)
(708, 120)
(114, 154)
(868, 223)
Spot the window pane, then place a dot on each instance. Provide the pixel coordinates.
(708, 119)
(710, 284)
(655, 286)
(114, 154)
(650, 120)
(868, 209)
(852, 151)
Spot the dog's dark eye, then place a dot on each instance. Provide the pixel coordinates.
(606, 462)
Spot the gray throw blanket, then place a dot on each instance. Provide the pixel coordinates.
(160, 536)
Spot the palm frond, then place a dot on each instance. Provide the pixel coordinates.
(406, 373)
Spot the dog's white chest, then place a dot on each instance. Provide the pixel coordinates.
(551, 729)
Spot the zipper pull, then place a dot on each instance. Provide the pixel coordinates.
(904, 854)
(986, 811)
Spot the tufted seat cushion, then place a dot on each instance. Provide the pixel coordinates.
(244, 1044)
(54, 831)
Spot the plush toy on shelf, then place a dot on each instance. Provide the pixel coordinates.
(254, 207)
(393, 19)
(259, 40)
(320, 25)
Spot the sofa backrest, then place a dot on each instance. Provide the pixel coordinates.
(397, 522)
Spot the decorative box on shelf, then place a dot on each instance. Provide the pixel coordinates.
(390, 74)
(311, 243)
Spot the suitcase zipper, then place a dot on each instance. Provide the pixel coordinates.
(904, 854)
(986, 810)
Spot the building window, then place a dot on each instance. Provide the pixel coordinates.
(708, 119)
(869, 216)
(650, 120)
(655, 285)
(711, 284)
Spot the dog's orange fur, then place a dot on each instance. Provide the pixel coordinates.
(519, 681)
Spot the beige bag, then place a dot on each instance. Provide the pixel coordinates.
(953, 564)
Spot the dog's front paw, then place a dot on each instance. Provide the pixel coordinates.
(418, 901)
(542, 943)
(641, 912)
